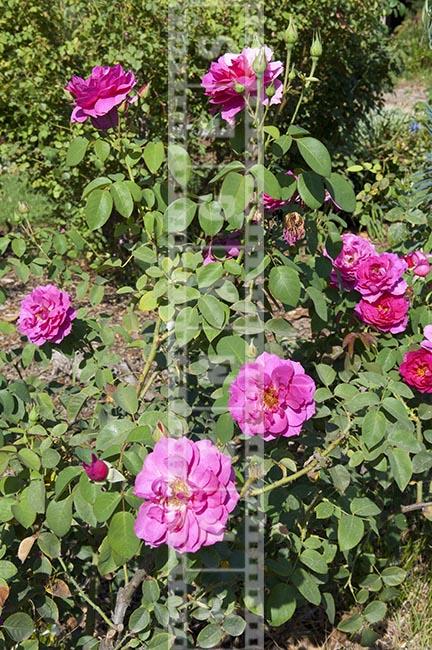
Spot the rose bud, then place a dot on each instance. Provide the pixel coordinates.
(97, 470)
(418, 262)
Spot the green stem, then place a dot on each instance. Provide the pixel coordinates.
(150, 358)
(85, 597)
(419, 497)
(305, 86)
(293, 477)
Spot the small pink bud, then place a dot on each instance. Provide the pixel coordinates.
(97, 470)
(418, 262)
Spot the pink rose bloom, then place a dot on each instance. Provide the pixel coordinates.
(379, 274)
(99, 95)
(97, 470)
(189, 492)
(419, 263)
(272, 397)
(46, 315)
(355, 249)
(388, 313)
(416, 370)
(231, 80)
(427, 343)
(227, 247)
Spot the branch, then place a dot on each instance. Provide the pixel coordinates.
(416, 506)
(150, 358)
(293, 477)
(123, 600)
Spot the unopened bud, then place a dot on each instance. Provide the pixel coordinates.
(144, 91)
(270, 90)
(251, 351)
(316, 47)
(260, 63)
(239, 88)
(23, 207)
(291, 33)
(292, 75)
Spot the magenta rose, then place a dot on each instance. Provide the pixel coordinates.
(100, 94)
(189, 491)
(416, 370)
(388, 313)
(231, 81)
(355, 249)
(272, 397)
(271, 205)
(46, 315)
(419, 263)
(379, 274)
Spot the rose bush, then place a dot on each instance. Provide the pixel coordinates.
(94, 462)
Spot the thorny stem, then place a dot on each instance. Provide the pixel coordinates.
(85, 597)
(305, 470)
(305, 86)
(150, 358)
(419, 497)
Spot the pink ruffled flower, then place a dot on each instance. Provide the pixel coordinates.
(379, 274)
(189, 491)
(97, 470)
(388, 313)
(99, 95)
(416, 370)
(355, 249)
(419, 263)
(231, 80)
(226, 245)
(46, 315)
(272, 397)
(427, 343)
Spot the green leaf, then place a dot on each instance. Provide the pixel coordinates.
(281, 145)
(326, 374)
(234, 165)
(373, 428)
(351, 624)
(266, 181)
(96, 183)
(98, 208)
(315, 154)
(284, 285)
(213, 311)
(393, 576)
(232, 347)
(126, 398)
(18, 247)
(210, 636)
(161, 641)
(76, 151)
(401, 467)
(121, 535)
(281, 604)
(236, 192)
(139, 620)
(19, 626)
(187, 325)
(154, 155)
(319, 302)
(314, 560)
(210, 217)
(342, 191)
(364, 507)
(307, 586)
(49, 544)
(350, 531)
(311, 189)
(123, 201)
(105, 504)
(341, 478)
(179, 214)
(29, 458)
(179, 164)
(209, 274)
(59, 516)
(375, 611)
(150, 592)
(234, 625)
(102, 149)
